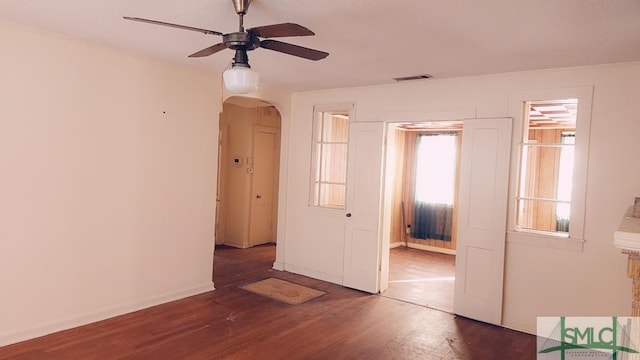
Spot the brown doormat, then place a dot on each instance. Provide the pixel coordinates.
(284, 291)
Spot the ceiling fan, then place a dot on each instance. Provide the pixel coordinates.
(240, 78)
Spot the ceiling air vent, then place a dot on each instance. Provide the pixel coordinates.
(414, 77)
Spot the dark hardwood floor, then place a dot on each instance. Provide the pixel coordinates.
(421, 277)
(231, 323)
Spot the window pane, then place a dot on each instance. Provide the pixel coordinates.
(332, 195)
(436, 169)
(547, 163)
(329, 159)
(540, 171)
(336, 128)
(334, 163)
(565, 176)
(544, 136)
(546, 215)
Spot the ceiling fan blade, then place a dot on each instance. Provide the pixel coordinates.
(209, 51)
(280, 30)
(294, 50)
(183, 27)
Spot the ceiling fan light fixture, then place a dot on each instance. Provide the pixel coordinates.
(240, 79)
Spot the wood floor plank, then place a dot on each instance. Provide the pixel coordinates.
(421, 277)
(231, 323)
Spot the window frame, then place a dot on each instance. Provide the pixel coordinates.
(575, 238)
(349, 109)
(532, 150)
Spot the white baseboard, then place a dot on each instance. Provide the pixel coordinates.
(335, 279)
(519, 325)
(28, 333)
(424, 247)
(432, 248)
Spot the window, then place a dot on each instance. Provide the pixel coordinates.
(527, 223)
(329, 158)
(436, 168)
(547, 166)
(435, 182)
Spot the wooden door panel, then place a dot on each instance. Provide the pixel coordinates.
(484, 178)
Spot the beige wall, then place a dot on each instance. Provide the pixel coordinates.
(539, 280)
(107, 186)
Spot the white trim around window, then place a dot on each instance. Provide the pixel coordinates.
(575, 239)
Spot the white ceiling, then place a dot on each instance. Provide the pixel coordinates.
(370, 41)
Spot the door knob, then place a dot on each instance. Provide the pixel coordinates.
(348, 214)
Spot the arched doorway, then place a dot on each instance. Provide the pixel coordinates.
(248, 173)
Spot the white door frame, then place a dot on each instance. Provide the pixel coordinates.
(386, 225)
(391, 120)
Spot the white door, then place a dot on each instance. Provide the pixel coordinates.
(482, 214)
(263, 185)
(363, 208)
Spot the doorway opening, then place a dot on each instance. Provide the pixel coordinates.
(423, 161)
(248, 174)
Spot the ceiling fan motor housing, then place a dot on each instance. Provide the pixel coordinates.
(241, 40)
